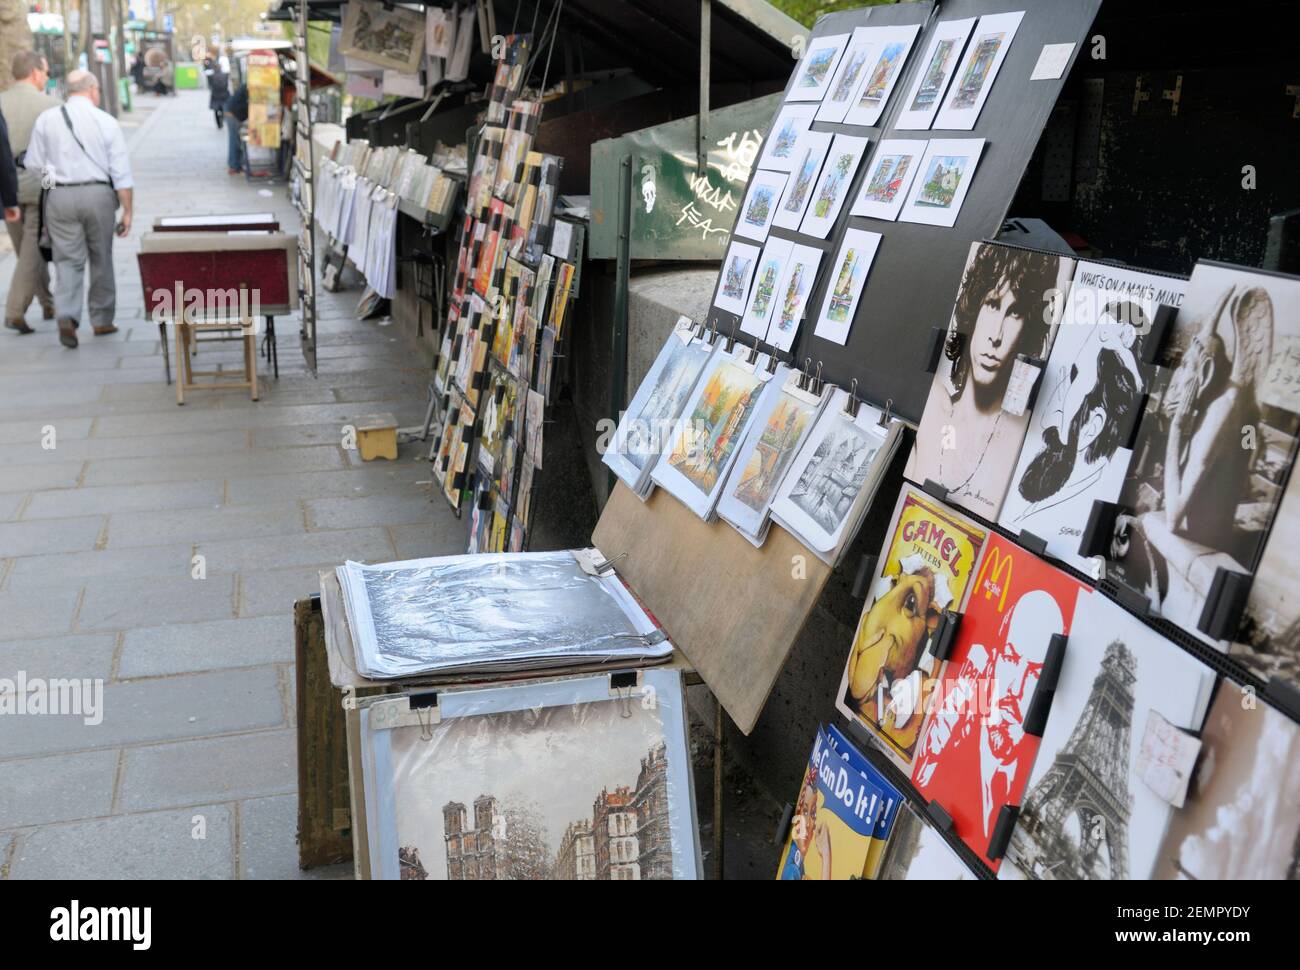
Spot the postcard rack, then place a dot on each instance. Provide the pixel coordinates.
(332, 809)
(305, 168)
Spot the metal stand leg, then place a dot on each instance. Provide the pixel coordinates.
(719, 723)
(166, 351)
(269, 349)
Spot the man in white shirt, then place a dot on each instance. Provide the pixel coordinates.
(82, 156)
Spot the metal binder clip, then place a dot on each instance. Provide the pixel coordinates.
(852, 404)
(425, 716)
(772, 362)
(818, 384)
(887, 414)
(803, 373)
(600, 567)
(713, 331)
(753, 355)
(731, 341)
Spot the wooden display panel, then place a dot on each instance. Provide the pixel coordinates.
(324, 818)
(734, 610)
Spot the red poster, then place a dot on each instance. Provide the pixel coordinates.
(975, 756)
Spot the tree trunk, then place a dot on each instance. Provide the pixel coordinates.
(15, 35)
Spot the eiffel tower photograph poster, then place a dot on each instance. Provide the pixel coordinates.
(1086, 814)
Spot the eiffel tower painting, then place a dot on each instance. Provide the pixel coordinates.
(1074, 822)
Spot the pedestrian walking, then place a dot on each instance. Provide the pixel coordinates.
(81, 155)
(8, 173)
(218, 87)
(22, 104)
(237, 108)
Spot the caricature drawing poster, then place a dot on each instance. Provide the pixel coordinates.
(925, 569)
(1092, 391)
(975, 756)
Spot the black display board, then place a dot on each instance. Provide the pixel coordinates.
(914, 279)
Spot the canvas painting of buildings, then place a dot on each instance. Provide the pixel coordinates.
(586, 791)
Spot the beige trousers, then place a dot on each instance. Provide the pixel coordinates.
(31, 275)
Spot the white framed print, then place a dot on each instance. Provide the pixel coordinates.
(848, 274)
(783, 138)
(792, 296)
(733, 281)
(809, 155)
(833, 186)
(849, 76)
(762, 295)
(942, 181)
(886, 66)
(755, 216)
(979, 69)
(813, 76)
(893, 167)
(937, 68)
(728, 395)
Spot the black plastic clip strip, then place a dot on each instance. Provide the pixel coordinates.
(1045, 691)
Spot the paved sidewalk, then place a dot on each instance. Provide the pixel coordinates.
(97, 538)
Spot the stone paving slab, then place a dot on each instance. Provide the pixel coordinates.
(10, 504)
(117, 567)
(362, 545)
(120, 604)
(185, 468)
(31, 429)
(272, 592)
(141, 446)
(124, 499)
(268, 842)
(165, 709)
(211, 770)
(205, 524)
(60, 535)
(44, 616)
(155, 845)
(180, 648)
(81, 655)
(371, 479)
(27, 478)
(394, 509)
(57, 789)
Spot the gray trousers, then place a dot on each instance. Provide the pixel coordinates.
(81, 220)
(31, 275)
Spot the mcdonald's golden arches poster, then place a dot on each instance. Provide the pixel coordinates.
(975, 756)
(926, 567)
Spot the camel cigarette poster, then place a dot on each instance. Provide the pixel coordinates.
(926, 568)
(975, 756)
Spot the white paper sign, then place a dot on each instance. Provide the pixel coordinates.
(1051, 62)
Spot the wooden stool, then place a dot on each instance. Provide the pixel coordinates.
(377, 437)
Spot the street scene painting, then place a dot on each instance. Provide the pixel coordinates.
(942, 178)
(574, 792)
(391, 38)
(832, 479)
(716, 425)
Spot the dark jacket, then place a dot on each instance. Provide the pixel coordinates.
(8, 171)
(237, 104)
(219, 86)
